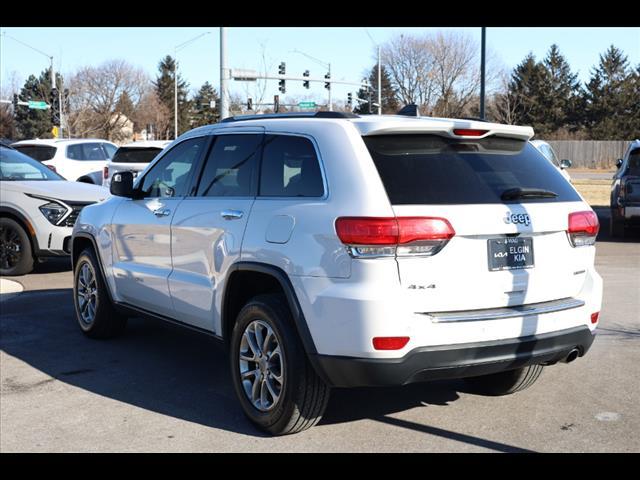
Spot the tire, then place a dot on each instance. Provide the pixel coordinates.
(16, 254)
(616, 226)
(105, 321)
(302, 396)
(505, 383)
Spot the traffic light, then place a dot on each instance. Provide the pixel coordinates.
(349, 99)
(282, 68)
(282, 86)
(249, 104)
(306, 82)
(54, 102)
(327, 85)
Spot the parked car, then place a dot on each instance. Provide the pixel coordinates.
(550, 155)
(133, 157)
(38, 209)
(81, 160)
(625, 192)
(332, 250)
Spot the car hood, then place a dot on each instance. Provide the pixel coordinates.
(60, 189)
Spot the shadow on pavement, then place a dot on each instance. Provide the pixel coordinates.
(604, 216)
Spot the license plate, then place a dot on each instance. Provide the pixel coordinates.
(510, 253)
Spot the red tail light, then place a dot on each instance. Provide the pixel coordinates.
(594, 317)
(388, 236)
(583, 228)
(469, 132)
(105, 172)
(389, 343)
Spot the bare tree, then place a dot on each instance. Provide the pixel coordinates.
(93, 96)
(257, 90)
(154, 116)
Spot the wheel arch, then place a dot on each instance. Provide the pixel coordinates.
(18, 217)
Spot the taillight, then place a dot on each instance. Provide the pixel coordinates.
(105, 172)
(583, 228)
(469, 132)
(389, 236)
(389, 343)
(594, 317)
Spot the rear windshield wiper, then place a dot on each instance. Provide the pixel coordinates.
(514, 193)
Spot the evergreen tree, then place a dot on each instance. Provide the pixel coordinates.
(561, 94)
(390, 104)
(611, 98)
(528, 88)
(165, 90)
(203, 114)
(125, 105)
(32, 123)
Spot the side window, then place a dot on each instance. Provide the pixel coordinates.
(170, 176)
(86, 151)
(109, 149)
(230, 168)
(290, 168)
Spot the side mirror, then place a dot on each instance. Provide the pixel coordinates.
(565, 163)
(619, 163)
(122, 184)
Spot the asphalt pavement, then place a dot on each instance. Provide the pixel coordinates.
(159, 388)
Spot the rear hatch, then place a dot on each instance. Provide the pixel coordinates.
(132, 159)
(509, 208)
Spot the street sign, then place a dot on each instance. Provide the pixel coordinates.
(55, 132)
(38, 105)
(307, 104)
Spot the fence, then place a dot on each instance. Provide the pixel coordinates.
(601, 154)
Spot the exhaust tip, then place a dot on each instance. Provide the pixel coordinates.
(573, 354)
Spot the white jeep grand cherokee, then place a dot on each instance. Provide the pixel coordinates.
(329, 250)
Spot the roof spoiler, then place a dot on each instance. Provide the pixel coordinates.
(410, 110)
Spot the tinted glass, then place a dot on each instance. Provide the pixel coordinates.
(110, 149)
(17, 166)
(135, 155)
(633, 167)
(429, 169)
(86, 151)
(290, 168)
(230, 167)
(39, 152)
(170, 176)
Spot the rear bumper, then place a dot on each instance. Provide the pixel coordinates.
(453, 361)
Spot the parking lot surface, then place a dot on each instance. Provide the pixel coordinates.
(159, 388)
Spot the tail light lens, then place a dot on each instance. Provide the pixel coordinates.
(468, 132)
(594, 317)
(105, 172)
(583, 228)
(389, 236)
(390, 343)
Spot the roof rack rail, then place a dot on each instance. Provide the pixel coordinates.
(241, 118)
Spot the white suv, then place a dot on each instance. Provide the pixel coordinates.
(329, 250)
(81, 160)
(133, 157)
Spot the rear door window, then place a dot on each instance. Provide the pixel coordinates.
(86, 151)
(435, 170)
(41, 153)
(290, 168)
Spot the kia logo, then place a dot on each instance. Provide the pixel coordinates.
(518, 218)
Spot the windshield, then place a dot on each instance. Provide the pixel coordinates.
(435, 170)
(135, 154)
(17, 166)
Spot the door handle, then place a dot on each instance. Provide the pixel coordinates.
(162, 212)
(231, 214)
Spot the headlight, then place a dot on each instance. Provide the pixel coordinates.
(54, 212)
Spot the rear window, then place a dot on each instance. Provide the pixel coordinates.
(135, 155)
(634, 163)
(429, 169)
(38, 152)
(86, 151)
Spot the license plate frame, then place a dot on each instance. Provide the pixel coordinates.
(510, 253)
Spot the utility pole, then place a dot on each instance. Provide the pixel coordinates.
(482, 72)
(379, 83)
(224, 92)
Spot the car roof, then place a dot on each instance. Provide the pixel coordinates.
(59, 141)
(383, 124)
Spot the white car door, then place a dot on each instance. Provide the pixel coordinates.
(142, 229)
(82, 159)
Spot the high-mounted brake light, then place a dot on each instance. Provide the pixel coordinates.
(469, 132)
(583, 228)
(389, 343)
(389, 236)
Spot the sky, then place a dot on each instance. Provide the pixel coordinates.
(350, 50)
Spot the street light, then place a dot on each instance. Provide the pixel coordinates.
(379, 73)
(324, 64)
(176, 49)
